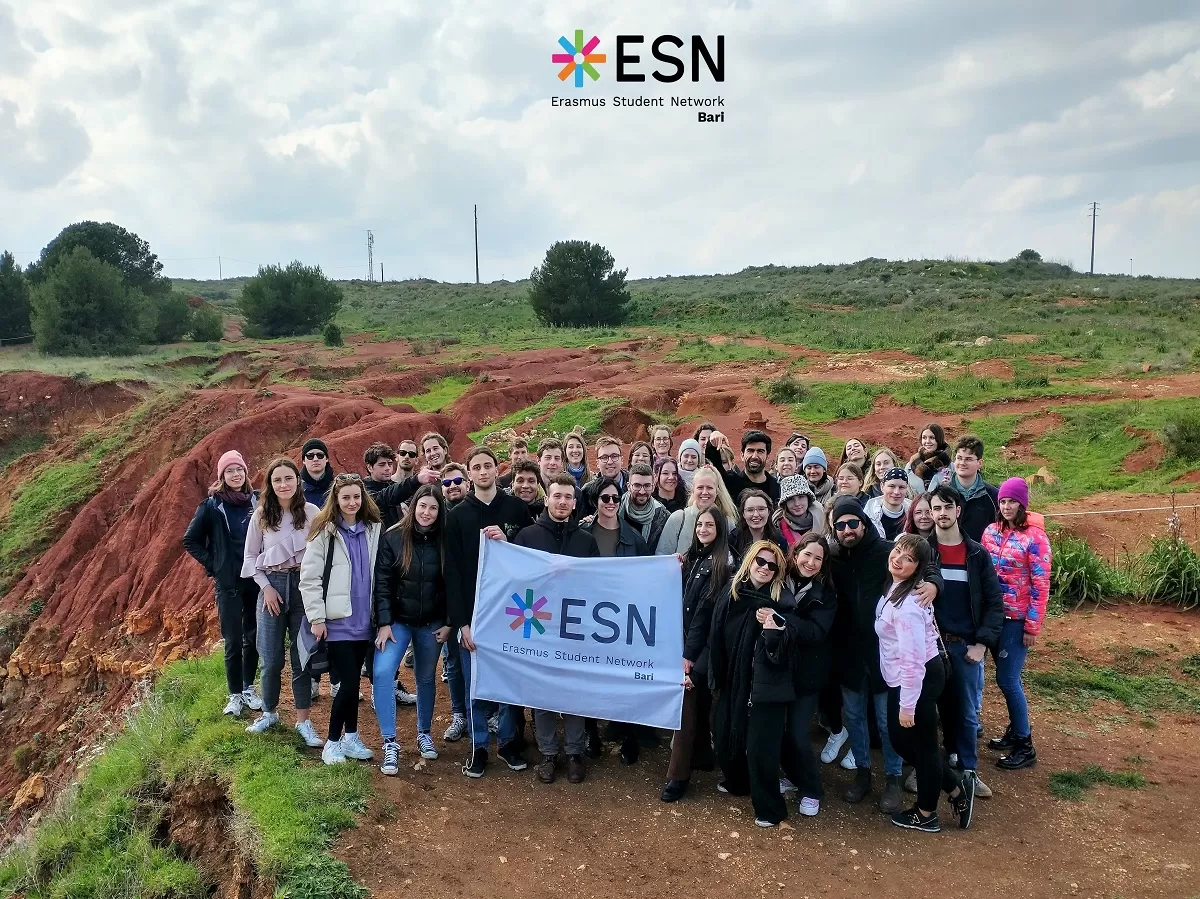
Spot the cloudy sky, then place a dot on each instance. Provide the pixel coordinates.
(265, 131)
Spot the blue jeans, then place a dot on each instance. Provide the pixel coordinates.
(1010, 661)
(854, 717)
(454, 676)
(387, 663)
(479, 710)
(969, 692)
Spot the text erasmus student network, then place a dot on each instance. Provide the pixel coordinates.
(579, 62)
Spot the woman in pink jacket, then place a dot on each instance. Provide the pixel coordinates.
(912, 666)
(1020, 551)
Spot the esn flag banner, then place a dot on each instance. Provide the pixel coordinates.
(602, 638)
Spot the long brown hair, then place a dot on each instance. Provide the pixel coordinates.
(368, 512)
(408, 526)
(743, 572)
(794, 569)
(918, 546)
(719, 552)
(272, 509)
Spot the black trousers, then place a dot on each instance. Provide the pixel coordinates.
(236, 608)
(918, 745)
(831, 705)
(345, 667)
(769, 746)
(800, 714)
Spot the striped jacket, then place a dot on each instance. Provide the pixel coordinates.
(1022, 560)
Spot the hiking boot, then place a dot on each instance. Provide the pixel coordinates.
(251, 699)
(910, 785)
(576, 769)
(849, 762)
(914, 820)
(547, 769)
(309, 735)
(477, 764)
(892, 799)
(511, 754)
(982, 790)
(833, 746)
(426, 747)
(234, 706)
(674, 790)
(1023, 755)
(458, 727)
(391, 758)
(630, 750)
(964, 802)
(1004, 742)
(860, 789)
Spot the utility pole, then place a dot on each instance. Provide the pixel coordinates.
(1095, 209)
(220, 271)
(1131, 266)
(476, 243)
(381, 273)
(370, 255)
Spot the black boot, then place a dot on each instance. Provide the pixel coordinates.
(1023, 755)
(861, 787)
(630, 749)
(1002, 743)
(674, 790)
(594, 748)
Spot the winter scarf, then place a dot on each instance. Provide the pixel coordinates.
(233, 497)
(579, 474)
(969, 493)
(801, 524)
(741, 665)
(643, 519)
(925, 465)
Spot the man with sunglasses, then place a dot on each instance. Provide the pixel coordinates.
(859, 569)
(456, 484)
(316, 475)
(406, 460)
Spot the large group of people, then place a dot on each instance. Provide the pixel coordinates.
(862, 599)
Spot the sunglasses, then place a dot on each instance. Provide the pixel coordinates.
(408, 454)
(609, 498)
(446, 482)
(850, 524)
(769, 564)
(314, 455)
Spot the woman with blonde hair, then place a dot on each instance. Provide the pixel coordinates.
(750, 675)
(336, 583)
(883, 461)
(708, 490)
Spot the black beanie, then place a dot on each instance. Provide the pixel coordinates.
(314, 444)
(847, 505)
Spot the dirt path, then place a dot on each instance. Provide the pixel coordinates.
(434, 832)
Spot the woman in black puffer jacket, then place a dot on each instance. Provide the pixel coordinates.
(750, 673)
(410, 607)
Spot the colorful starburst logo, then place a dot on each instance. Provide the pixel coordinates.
(528, 613)
(579, 58)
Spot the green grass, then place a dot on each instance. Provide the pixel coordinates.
(22, 444)
(151, 367)
(699, 351)
(53, 489)
(564, 416)
(1079, 684)
(962, 393)
(1071, 785)
(829, 401)
(101, 842)
(440, 395)
(518, 418)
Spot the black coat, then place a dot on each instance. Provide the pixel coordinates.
(562, 538)
(209, 541)
(463, 525)
(860, 577)
(698, 604)
(736, 481)
(808, 639)
(630, 544)
(987, 599)
(585, 500)
(390, 496)
(769, 675)
(980, 511)
(415, 597)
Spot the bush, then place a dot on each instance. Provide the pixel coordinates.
(284, 302)
(576, 286)
(109, 242)
(332, 335)
(1182, 437)
(170, 317)
(207, 325)
(1170, 572)
(784, 391)
(1079, 575)
(84, 308)
(14, 299)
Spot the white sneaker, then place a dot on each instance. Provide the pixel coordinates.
(810, 807)
(234, 706)
(332, 753)
(333, 690)
(267, 719)
(786, 786)
(316, 689)
(763, 822)
(458, 727)
(834, 745)
(425, 744)
(403, 696)
(353, 748)
(251, 699)
(391, 759)
(308, 733)
(848, 761)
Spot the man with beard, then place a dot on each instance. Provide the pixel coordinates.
(608, 460)
(456, 484)
(756, 450)
(518, 451)
(639, 509)
(859, 570)
(406, 460)
(527, 486)
(436, 450)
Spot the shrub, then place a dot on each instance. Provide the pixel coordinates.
(1079, 575)
(207, 325)
(1170, 571)
(83, 308)
(284, 302)
(576, 286)
(332, 335)
(784, 391)
(1181, 435)
(170, 317)
(108, 242)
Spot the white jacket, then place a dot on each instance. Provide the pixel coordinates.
(873, 509)
(337, 598)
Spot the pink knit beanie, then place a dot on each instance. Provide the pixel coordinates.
(233, 457)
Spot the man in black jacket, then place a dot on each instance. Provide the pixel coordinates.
(756, 451)
(970, 615)
(380, 461)
(498, 516)
(980, 503)
(608, 461)
(860, 575)
(557, 532)
(518, 451)
(639, 509)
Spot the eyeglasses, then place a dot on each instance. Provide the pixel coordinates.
(446, 482)
(850, 524)
(348, 479)
(235, 469)
(609, 498)
(314, 455)
(769, 564)
(614, 457)
(408, 454)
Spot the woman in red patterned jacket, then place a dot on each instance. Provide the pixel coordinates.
(1020, 551)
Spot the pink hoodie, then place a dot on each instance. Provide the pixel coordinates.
(907, 640)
